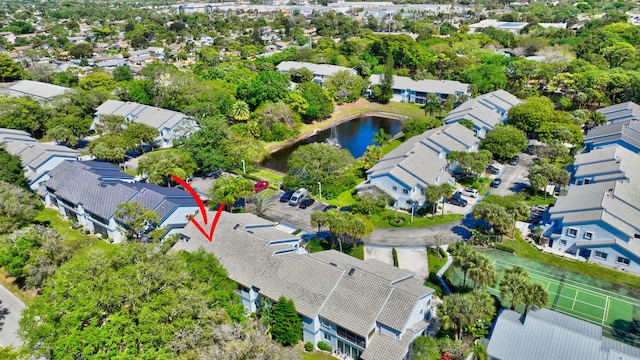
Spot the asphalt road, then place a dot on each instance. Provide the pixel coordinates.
(10, 309)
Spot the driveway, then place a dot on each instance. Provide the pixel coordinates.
(514, 178)
(414, 259)
(423, 236)
(382, 254)
(10, 309)
(293, 215)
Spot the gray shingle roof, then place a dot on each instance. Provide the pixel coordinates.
(37, 89)
(143, 114)
(447, 87)
(408, 162)
(318, 283)
(621, 112)
(620, 131)
(382, 347)
(15, 135)
(545, 334)
(485, 111)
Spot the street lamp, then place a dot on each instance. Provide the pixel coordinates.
(320, 188)
(244, 168)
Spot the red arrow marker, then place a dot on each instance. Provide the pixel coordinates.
(201, 228)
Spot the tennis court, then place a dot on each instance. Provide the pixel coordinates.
(578, 299)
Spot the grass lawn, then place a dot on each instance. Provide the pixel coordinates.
(345, 198)
(433, 259)
(481, 184)
(390, 146)
(317, 355)
(526, 250)
(540, 200)
(63, 227)
(379, 220)
(266, 175)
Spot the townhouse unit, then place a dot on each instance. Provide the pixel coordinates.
(485, 111)
(37, 90)
(170, 124)
(406, 89)
(406, 171)
(89, 192)
(37, 159)
(626, 111)
(625, 133)
(546, 334)
(605, 164)
(363, 309)
(599, 222)
(320, 71)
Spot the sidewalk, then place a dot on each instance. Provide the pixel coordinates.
(443, 269)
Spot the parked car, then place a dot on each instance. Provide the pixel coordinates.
(329, 207)
(259, 186)
(213, 174)
(347, 209)
(457, 200)
(470, 192)
(493, 170)
(514, 160)
(306, 203)
(298, 196)
(286, 196)
(496, 182)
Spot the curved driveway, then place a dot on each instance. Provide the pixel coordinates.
(422, 236)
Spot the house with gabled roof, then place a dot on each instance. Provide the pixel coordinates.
(485, 111)
(170, 124)
(89, 192)
(625, 133)
(627, 111)
(320, 71)
(547, 334)
(599, 222)
(405, 89)
(37, 90)
(37, 159)
(605, 164)
(362, 309)
(406, 171)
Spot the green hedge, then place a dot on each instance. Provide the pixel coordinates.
(324, 346)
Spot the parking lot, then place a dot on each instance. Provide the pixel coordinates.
(292, 215)
(514, 177)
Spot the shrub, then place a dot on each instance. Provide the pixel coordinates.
(398, 221)
(308, 346)
(394, 253)
(506, 248)
(442, 252)
(324, 346)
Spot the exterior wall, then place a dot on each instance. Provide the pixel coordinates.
(179, 215)
(389, 183)
(310, 330)
(421, 311)
(612, 260)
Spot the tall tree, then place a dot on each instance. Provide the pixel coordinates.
(229, 189)
(535, 296)
(514, 285)
(262, 202)
(482, 273)
(11, 171)
(161, 166)
(320, 104)
(17, 207)
(9, 69)
(136, 218)
(383, 92)
(286, 326)
(504, 142)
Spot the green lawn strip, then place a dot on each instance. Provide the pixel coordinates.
(318, 355)
(435, 262)
(63, 227)
(540, 200)
(266, 175)
(345, 198)
(381, 220)
(390, 146)
(620, 309)
(526, 250)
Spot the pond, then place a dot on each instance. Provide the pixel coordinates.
(354, 135)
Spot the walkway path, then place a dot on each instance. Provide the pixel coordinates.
(10, 309)
(441, 272)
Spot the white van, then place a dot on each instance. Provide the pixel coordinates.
(298, 196)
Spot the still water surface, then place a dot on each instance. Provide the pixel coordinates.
(354, 135)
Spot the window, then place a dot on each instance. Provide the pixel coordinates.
(588, 235)
(326, 336)
(572, 232)
(600, 255)
(623, 260)
(395, 188)
(563, 242)
(636, 236)
(325, 323)
(405, 191)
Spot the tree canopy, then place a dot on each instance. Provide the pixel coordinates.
(504, 142)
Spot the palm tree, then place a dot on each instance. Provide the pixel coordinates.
(535, 296)
(446, 190)
(381, 137)
(461, 253)
(432, 194)
(482, 273)
(262, 202)
(514, 284)
(240, 111)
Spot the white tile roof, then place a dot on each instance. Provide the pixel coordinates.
(37, 89)
(447, 87)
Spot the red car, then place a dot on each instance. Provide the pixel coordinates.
(259, 186)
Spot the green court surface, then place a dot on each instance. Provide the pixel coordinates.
(578, 295)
